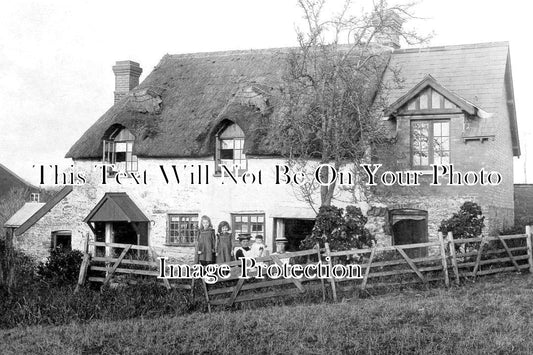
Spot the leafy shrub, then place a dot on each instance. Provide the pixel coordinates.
(24, 272)
(62, 267)
(341, 230)
(467, 223)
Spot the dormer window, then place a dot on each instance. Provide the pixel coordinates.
(118, 150)
(230, 149)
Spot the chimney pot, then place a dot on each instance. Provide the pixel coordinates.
(127, 75)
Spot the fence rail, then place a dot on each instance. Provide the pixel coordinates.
(456, 259)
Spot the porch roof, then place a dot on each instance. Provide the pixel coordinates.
(116, 207)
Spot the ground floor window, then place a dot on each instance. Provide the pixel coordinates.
(182, 229)
(62, 240)
(253, 224)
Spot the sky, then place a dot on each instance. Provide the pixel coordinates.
(56, 57)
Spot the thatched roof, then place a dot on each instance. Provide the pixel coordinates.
(178, 108)
(198, 92)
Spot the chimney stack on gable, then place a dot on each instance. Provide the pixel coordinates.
(388, 27)
(127, 75)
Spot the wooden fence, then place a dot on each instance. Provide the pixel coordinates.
(132, 260)
(488, 255)
(381, 267)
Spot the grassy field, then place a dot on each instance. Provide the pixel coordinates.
(492, 316)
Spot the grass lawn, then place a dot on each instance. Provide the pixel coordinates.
(492, 316)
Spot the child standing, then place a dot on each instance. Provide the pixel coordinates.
(223, 243)
(206, 242)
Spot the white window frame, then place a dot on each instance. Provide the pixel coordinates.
(120, 141)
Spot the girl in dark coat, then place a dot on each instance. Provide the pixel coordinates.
(206, 242)
(223, 243)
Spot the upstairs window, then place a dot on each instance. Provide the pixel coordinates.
(118, 150)
(230, 149)
(35, 197)
(430, 143)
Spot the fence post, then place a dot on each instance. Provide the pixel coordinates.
(317, 246)
(367, 271)
(332, 279)
(451, 244)
(86, 246)
(443, 259)
(478, 258)
(83, 271)
(529, 248)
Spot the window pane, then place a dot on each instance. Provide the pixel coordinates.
(448, 104)
(420, 143)
(412, 105)
(436, 129)
(420, 136)
(120, 147)
(424, 100)
(445, 158)
(445, 129)
(226, 154)
(227, 144)
(435, 99)
(424, 159)
(445, 143)
(120, 156)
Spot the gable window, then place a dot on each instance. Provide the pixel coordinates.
(430, 142)
(253, 224)
(35, 197)
(118, 150)
(182, 229)
(429, 99)
(230, 149)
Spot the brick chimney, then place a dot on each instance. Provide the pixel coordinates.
(127, 75)
(388, 26)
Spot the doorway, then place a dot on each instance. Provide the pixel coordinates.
(294, 230)
(410, 226)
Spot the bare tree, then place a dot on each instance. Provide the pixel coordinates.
(333, 91)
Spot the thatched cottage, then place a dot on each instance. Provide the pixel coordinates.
(195, 111)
